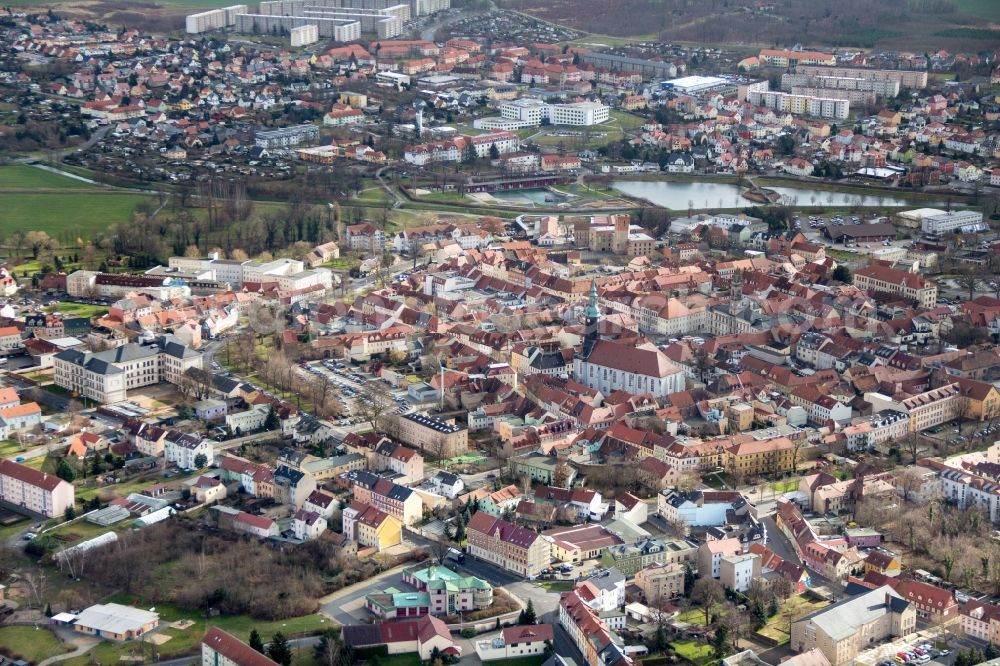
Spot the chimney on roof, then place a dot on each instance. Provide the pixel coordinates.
(888, 599)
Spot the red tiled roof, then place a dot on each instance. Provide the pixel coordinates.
(234, 649)
(30, 476)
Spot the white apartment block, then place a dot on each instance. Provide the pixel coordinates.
(855, 97)
(906, 78)
(214, 19)
(881, 87)
(38, 492)
(182, 449)
(940, 222)
(304, 35)
(968, 490)
(107, 376)
(534, 111)
(803, 105)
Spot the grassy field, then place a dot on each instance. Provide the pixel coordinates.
(78, 309)
(697, 654)
(32, 644)
(986, 9)
(609, 40)
(785, 485)
(8, 448)
(777, 627)
(82, 214)
(22, 176)
(692, 616)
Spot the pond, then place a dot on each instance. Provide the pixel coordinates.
(683, 195)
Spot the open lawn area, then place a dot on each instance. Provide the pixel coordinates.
(795, 607)
(32, 644)
(78, 309)
(697, 654)
(785, 485)
(7, 448)
(81, 214)
(24, 177)
(556, 585)
(692, 616)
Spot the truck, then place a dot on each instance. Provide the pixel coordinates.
(455, 555)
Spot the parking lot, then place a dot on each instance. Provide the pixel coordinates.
(929, 647)
(350, 384)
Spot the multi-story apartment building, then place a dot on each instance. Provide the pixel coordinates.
(292, 486)
(737, 571)
(442, 439)
(365, 237)
(402, 460)
(648, 69)
(285, 137)
(597, 642)
(856, 98)
(44, 494)
(396, 500)
(220, 648)
(907, 78)
(787, 58)
(925, 410)
(304, 35)
(966, 490)
(933, 221)
(107, 376)
(804, 105)
(879, 87)
(630, 558)
(759, 457)
(510, 547)
(224, 17)
(846, 628)
(183, 449)
(660, 581)
(884, 279)
(370, 527)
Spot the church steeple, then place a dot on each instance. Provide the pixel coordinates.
(592, 311)
(593, 321)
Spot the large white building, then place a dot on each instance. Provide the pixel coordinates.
(304, 35)
(107, 376)
(183, 450)
(38, 492)
(936, 221)
(535, 111)
(214, 19)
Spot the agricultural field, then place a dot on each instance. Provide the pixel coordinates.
(811, 22)
(60, 206)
